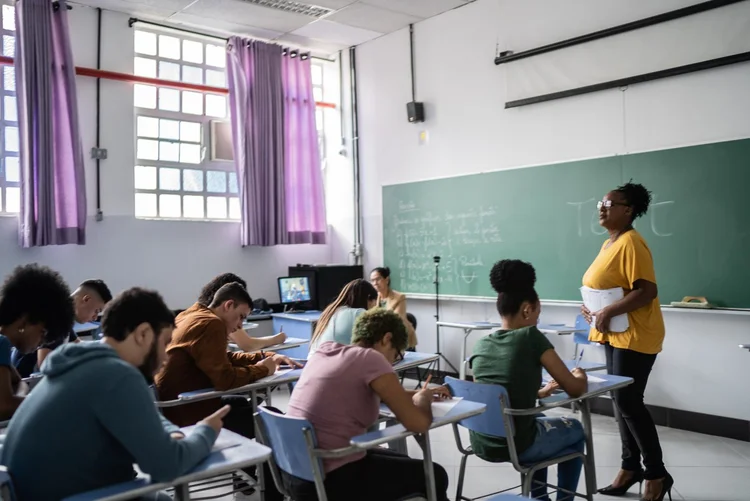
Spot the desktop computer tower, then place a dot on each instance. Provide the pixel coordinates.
(326, 282)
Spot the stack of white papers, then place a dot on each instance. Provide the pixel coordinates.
(596, 300)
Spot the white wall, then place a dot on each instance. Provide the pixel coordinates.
(701, 368)
(174, 257)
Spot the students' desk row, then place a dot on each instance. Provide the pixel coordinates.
(231, 452)
(288, 344)
(411, 360)
(469, 327)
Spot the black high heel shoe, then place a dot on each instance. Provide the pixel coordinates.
(637, 478)
(666, 489)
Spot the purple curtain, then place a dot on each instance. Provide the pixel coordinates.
(305, 203)
(256, 102)
(275, 145)
(53, 201)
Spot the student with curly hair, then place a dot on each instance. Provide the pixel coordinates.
(35, 308)
(514, 357)
(625, 261)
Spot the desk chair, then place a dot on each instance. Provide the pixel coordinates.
(415, 372)
(580, 338)
(496, 421)
(6, 485)
(295, 450)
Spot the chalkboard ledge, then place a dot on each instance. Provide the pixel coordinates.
(575, 304)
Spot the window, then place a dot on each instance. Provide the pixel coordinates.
(10, 172)
(318, 70)
(174, 178)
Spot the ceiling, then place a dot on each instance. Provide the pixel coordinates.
(350, 22)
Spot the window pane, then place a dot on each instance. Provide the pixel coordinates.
(216, 78)
(145, 179)
(317, 94)
(190, 131)
(193, 206)
(145, 205)
(317, 74)
(144, 96)
(169, 71)
(169, 152)
(192, 52)
(10, 111)
(169, 179)
(192, 102)
(169, 47)
(169, 206)
(216, 106)
(145, 43)
(169, 129)
(190, 153)
(12, 170)
(144, 67)
(9, 47)
(147, 149)
(217, 181)
(9, 78)
(319, 123)
(217, 207)
(13, 199)
(191, 74)
(9, 18)
(148, 127)
(234, 208)
(216, 55)
(11, 140)
(169, 99)
(192, 180)
(233, 182)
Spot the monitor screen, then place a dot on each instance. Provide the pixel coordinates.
(294, 290)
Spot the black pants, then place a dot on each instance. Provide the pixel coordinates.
(381, 475)
(240, 421)
(637, 429)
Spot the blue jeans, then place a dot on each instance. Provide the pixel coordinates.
(556, 437)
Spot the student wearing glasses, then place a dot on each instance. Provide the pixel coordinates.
(625, 261)
(362, 375)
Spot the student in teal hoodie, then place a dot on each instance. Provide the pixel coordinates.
(93, 415)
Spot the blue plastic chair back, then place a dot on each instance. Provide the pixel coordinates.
(490, 422)
(578, 338)
(6, 485)
(286, 438)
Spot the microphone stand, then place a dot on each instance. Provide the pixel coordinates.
(436, 259)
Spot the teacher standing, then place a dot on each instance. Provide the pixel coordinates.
(625, 261)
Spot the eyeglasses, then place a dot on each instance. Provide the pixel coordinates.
(399, 358)
(607, 204)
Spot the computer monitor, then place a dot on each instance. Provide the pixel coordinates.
(294, 290)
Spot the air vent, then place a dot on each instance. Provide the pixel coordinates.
(293, 7)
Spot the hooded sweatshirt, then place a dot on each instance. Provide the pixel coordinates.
(85, 425)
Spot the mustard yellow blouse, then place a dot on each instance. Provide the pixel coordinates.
(627, 260)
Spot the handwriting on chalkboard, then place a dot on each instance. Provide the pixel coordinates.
(457, 236)
(587, 217)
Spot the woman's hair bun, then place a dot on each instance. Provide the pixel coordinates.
(512, 275)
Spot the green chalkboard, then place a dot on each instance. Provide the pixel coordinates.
(698, 227)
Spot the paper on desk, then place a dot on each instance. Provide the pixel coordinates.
(594, 379)
(275, 375)
(596, 300)
(224, 442)
(443, 407)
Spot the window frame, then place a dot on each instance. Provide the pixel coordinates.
(5, 184)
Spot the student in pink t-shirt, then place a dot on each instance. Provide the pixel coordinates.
(340, 392)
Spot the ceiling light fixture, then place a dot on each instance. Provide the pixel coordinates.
(293, 7)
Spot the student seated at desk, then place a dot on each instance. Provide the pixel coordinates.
(340, 392)
(93, 415)
(89, 299)
(241, 338)
(197, 358)
(513, 357)
(34, 302)
(336, 323)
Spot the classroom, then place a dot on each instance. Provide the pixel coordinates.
(250, 248)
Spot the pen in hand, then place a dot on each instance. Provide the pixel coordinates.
(578, 360)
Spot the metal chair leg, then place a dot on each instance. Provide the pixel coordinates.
(461, 474)
(527, 479)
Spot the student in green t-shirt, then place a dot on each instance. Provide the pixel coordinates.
(514, 357)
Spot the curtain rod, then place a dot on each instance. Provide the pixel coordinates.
(134, 20)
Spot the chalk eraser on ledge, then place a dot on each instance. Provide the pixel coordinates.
(693, 302)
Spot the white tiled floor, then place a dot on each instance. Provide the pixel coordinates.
(705, 468)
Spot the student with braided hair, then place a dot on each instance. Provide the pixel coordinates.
(625, 261)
